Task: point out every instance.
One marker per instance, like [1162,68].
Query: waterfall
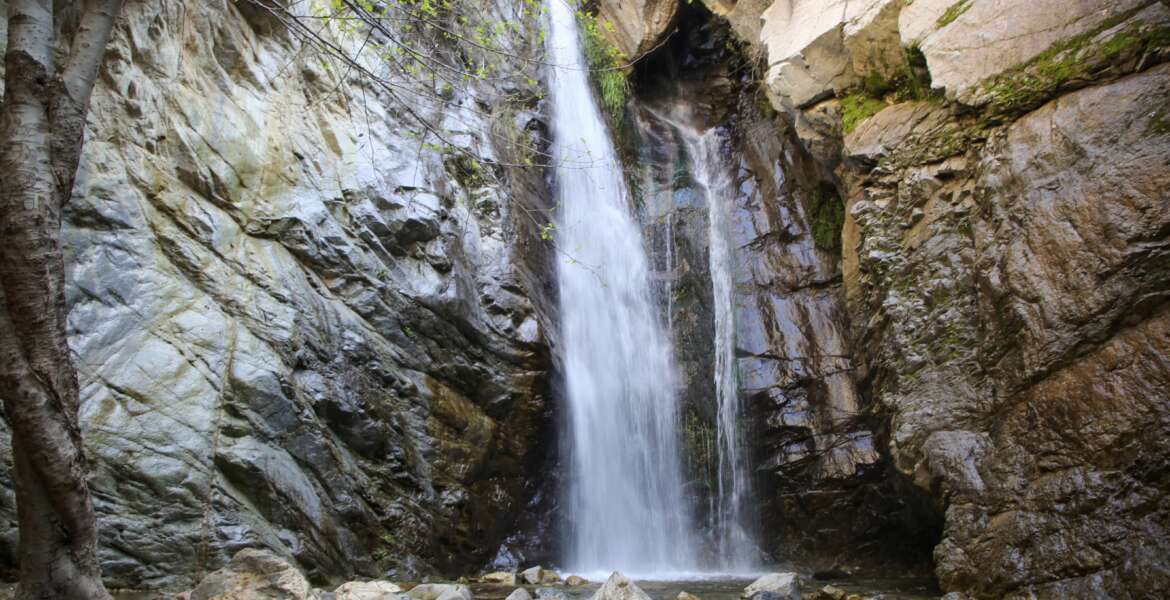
[731,518]
[625,499]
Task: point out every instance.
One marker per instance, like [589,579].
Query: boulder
[779,586]
[519,594]
[686,596]
[440,591]
[368,590]
[575,581]
[531,575]
[548,576]
[968,42]
[829,593]
[254,574]
[619,587]
[499,578]
[637,26]
[819,47]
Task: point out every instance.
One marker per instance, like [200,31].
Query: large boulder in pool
[774,586]
[254,574]
[368,590]
[619,587]
[439,591]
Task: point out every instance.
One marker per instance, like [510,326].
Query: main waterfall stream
[626,503]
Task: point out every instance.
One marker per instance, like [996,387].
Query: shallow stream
[730,589]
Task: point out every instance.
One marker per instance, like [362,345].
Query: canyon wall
[299,324]
[822,493]
[1003,170]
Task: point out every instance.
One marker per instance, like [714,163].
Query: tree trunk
[41,134]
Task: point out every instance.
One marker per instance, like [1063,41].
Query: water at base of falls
[626,504]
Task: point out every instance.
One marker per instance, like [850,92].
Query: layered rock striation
[299,322]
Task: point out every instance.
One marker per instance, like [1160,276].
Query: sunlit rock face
[295,325]
[968,43]
[638,26]
[817,47]
[1003,268]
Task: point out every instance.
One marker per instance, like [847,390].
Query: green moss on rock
[955,11]
[826,218]
[858,106]
[606,66]
[1075,59]
[909,82]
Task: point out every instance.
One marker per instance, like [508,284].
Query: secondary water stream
[731,518]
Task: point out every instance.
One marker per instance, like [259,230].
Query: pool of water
[714,588]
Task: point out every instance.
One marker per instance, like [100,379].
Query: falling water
[626,502]
[730,518]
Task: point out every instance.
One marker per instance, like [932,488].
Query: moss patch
[826,218]
[1068,61]
[857,107]
[910,82]
[606,66]
[955,11]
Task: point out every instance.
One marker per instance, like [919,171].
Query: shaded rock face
[824,494]
[1005,270]
[295,326]
[1026,373]
[1003,267]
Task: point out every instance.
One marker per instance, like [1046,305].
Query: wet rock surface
[825,495]
[1002,274]
[295,327]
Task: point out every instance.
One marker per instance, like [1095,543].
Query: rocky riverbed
[260,575]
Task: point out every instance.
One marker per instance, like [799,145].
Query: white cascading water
[626,503]
[731,518]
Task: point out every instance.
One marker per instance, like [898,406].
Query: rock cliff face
[823,493]
[297,325]
[1003,264]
